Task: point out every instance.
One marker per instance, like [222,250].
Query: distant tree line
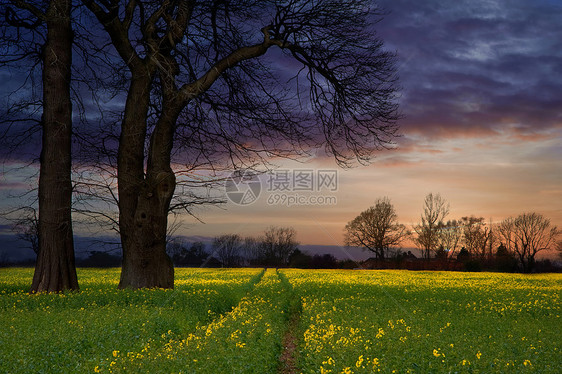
[272,248]
[469,243]
[275,247]
[510,245]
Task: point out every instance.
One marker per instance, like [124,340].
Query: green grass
[74,332]
[246,340]
[233,321]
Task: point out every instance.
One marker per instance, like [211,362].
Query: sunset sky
[482,123]
[481,101]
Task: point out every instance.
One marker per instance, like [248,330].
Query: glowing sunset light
[481,124]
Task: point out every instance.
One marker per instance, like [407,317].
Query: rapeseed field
[237,321]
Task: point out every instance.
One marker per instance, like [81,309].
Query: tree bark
[144,200]
[55,269]
[145,262]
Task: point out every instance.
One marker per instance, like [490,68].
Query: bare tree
[26,228]
[559,248]
[228,249]
[428,231]
[276,245]
[251,250]
[450,236]
[376,229]
[526,235]
[477,237]
[200,87]
[55,266]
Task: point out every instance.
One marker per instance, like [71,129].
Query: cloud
[475,67]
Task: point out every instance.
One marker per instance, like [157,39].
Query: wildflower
[359,362]
[329,361]
[478,355]
[527,362]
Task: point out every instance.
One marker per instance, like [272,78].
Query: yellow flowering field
[237,321]
[424,322]
[75,332]
[246,340]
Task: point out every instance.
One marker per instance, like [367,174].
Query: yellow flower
[359,362]
[527,362]
[478,355]
[97,369]
[436,353]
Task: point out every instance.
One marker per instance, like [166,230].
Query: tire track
[156,349]
[289,351]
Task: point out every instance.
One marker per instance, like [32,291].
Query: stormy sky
[481,106]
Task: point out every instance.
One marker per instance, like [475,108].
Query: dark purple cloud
[467,68]
[475,67]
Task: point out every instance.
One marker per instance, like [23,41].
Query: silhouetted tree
[464,255]
[197,254]
[441,253]
[200,87]
[376,229]
[26,228]
[450,236]
[276,245]
[228,249]
[101,259]
[429,230]
[299,260]
[181,255]
[477,237]
[250,250]
[504,260]
[526,235]
[50,22]
[325,261]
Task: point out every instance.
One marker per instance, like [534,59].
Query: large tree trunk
[144,200]
[55,268]
[145,262]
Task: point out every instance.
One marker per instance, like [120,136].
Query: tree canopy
[182,86]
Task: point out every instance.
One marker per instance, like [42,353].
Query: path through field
[286,321]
